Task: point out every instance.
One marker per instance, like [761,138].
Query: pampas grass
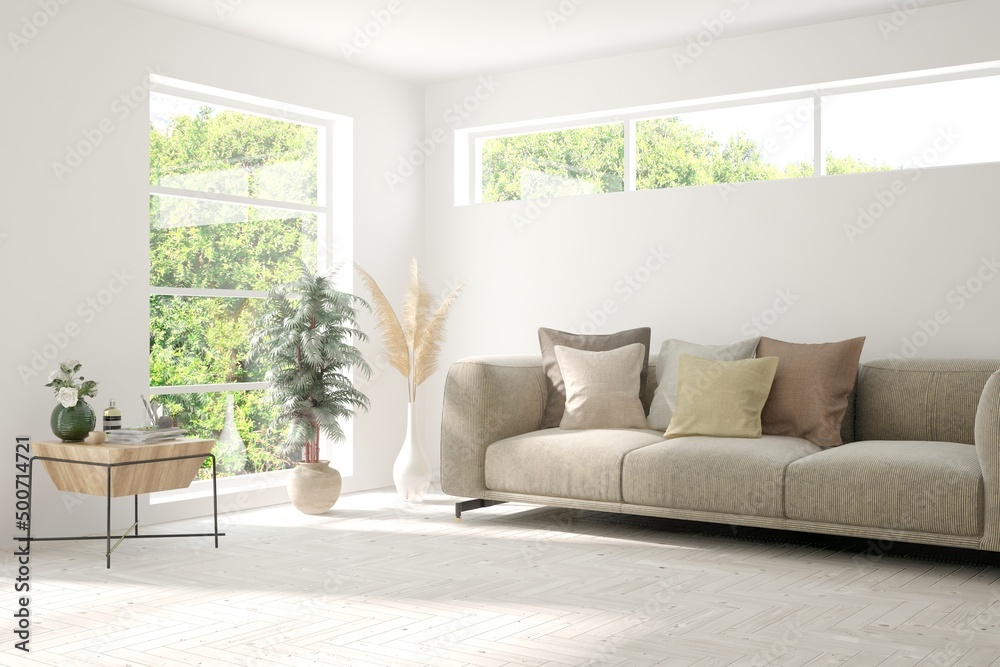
[413,342]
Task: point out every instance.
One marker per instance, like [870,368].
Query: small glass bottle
[112,418]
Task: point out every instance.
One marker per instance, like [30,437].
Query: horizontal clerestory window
[912,121]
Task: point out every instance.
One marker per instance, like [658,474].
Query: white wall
[730,256]
[64,240]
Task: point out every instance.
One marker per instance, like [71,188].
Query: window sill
[226,486]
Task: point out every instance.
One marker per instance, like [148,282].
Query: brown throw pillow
[809,395]
[549,338]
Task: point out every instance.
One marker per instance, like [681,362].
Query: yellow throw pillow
[721,398]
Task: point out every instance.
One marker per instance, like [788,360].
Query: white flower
[68,397]
[58,375]
[70,365]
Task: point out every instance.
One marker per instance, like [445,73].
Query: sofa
[920,460]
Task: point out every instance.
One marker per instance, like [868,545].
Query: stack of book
[143,436]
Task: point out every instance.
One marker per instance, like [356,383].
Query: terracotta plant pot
[314,487]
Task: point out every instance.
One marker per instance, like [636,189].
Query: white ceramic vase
[411,473]
[314,487]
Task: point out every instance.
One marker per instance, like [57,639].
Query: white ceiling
[429,41]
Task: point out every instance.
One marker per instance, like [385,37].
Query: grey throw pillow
[668,364]
[549,338]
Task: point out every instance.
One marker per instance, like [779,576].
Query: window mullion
[819,157]
[208,388]
[207,292]
[630,156]
[235,199]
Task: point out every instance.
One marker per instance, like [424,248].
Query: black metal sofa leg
[474,504]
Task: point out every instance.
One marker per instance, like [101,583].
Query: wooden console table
[79,467]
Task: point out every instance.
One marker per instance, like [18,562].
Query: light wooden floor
[374,582]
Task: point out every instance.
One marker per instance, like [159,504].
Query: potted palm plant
[413,345]
[303,338]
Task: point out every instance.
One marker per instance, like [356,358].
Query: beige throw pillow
[811,388]
[665,398]
[555,387]
[602,388]
[721,398]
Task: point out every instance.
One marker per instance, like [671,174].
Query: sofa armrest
[988,450]
[486,399]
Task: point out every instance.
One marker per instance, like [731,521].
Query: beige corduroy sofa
[921,461]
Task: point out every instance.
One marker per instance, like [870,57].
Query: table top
[109,452]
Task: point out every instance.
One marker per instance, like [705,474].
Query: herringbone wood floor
[374,582]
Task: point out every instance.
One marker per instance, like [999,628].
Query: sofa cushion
[664,402]
[920,399]
[566,464]
[721,398]
[730,475]
[549,338]
[602,388]
[933,487]
[811,388]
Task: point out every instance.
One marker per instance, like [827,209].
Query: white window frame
[468,141]
[334,215]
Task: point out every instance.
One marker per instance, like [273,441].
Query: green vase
[73,424]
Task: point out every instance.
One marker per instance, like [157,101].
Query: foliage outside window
[903,126]
[235,209]
[578,161]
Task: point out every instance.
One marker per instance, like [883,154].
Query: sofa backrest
[920,399]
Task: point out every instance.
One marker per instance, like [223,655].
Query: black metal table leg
[109,519]
[215,503]
[133,531]
[31,487]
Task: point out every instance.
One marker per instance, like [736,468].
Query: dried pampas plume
[413,342]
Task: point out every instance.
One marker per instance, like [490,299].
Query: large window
[921,120]
[240,199]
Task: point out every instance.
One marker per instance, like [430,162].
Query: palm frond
[303,338]
[396,347]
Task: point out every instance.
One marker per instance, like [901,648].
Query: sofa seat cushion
[728,475]
[932,487]
[585,465]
